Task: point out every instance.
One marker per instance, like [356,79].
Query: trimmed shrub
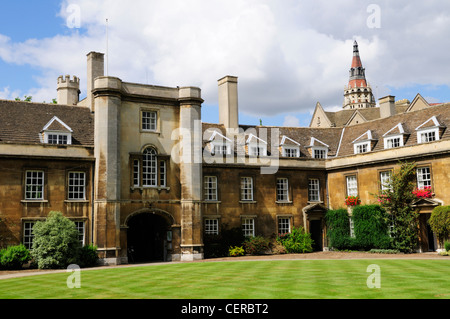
[218,245]
[440,222]
[88,256]
[297,242]
[14,257]
[370,227]
[256,245]
[55,243]
[338,229]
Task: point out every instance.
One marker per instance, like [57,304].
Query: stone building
[144,179]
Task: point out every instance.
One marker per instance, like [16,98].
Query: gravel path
[310,256]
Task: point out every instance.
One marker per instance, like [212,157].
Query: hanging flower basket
[423,192]
[352,200]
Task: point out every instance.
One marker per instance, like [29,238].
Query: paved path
[324,255]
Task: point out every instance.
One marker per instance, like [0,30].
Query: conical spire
[358,93]
[357,72]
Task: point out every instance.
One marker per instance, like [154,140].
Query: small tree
[440,222]
[55,243]
[397,198]
[338,228]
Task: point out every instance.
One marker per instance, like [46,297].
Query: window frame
[420,179]
[156,121]
[27,234]
[348,189]
[42,185]
[323,151]
[281,225]
[382,179]
[311,190]
[81,230]
[82,186]
[59,135]
[287,149]
[210,194]
[248,229]
[211,228]
[246,196]
[391,138]
[421,132]
[282,194]
[357,147]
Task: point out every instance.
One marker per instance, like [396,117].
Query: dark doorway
[315,228]
[146,235]
[430,239]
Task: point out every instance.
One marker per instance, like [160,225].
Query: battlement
[67,80]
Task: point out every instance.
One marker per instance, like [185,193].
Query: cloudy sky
[287,54]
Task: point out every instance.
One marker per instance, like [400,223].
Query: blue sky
[288,55]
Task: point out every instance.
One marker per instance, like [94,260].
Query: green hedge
[370,227]
[338,229]
[14,257]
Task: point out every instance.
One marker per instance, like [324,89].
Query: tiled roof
[377,128]
[22,122]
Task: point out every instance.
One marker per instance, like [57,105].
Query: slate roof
[22,122]
[338,138]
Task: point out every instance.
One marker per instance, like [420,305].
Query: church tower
[357,94]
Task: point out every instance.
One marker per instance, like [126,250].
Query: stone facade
[144,179]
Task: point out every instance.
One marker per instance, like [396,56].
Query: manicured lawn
[281,279]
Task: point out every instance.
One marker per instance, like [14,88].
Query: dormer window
[57,132]
[219,144]
[364,143]
[318,149]
[256,146]
[395,137]
[429,131]
[289,147]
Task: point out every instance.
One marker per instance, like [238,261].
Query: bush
[297,242]
[447,246]
[370,227]
[55,243]
[14,257]
[338,229]
[218,245]
[88,256]
[256,245]
[440,222]
[236,251]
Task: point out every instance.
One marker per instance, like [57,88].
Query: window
[149,120]
[136,173]
[352,227]
[162,173]
[254,150]
[352,186]
[210,188]
[246,188]
[149,172]
[385,180]
[319,153]
[77,186]
[282,190]
[361,148]
[80,227]
[248,227]
[284,225]
[427,136]
[58,139]
[313,189]
[28,234]
[290,151]
[423,177]
[394,141]
[34,185]
[221,149]
[211,226]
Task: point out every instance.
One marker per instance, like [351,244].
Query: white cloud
[291,121]
[288,54]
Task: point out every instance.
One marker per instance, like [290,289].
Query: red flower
[352,200]
[423,192]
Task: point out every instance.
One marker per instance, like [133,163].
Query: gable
[418,103]
[356,118]
[320,118]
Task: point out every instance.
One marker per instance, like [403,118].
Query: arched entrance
[147,237]
[314,216]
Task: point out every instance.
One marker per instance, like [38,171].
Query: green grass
[288,279]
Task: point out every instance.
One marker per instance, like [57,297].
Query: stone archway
[147,235]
